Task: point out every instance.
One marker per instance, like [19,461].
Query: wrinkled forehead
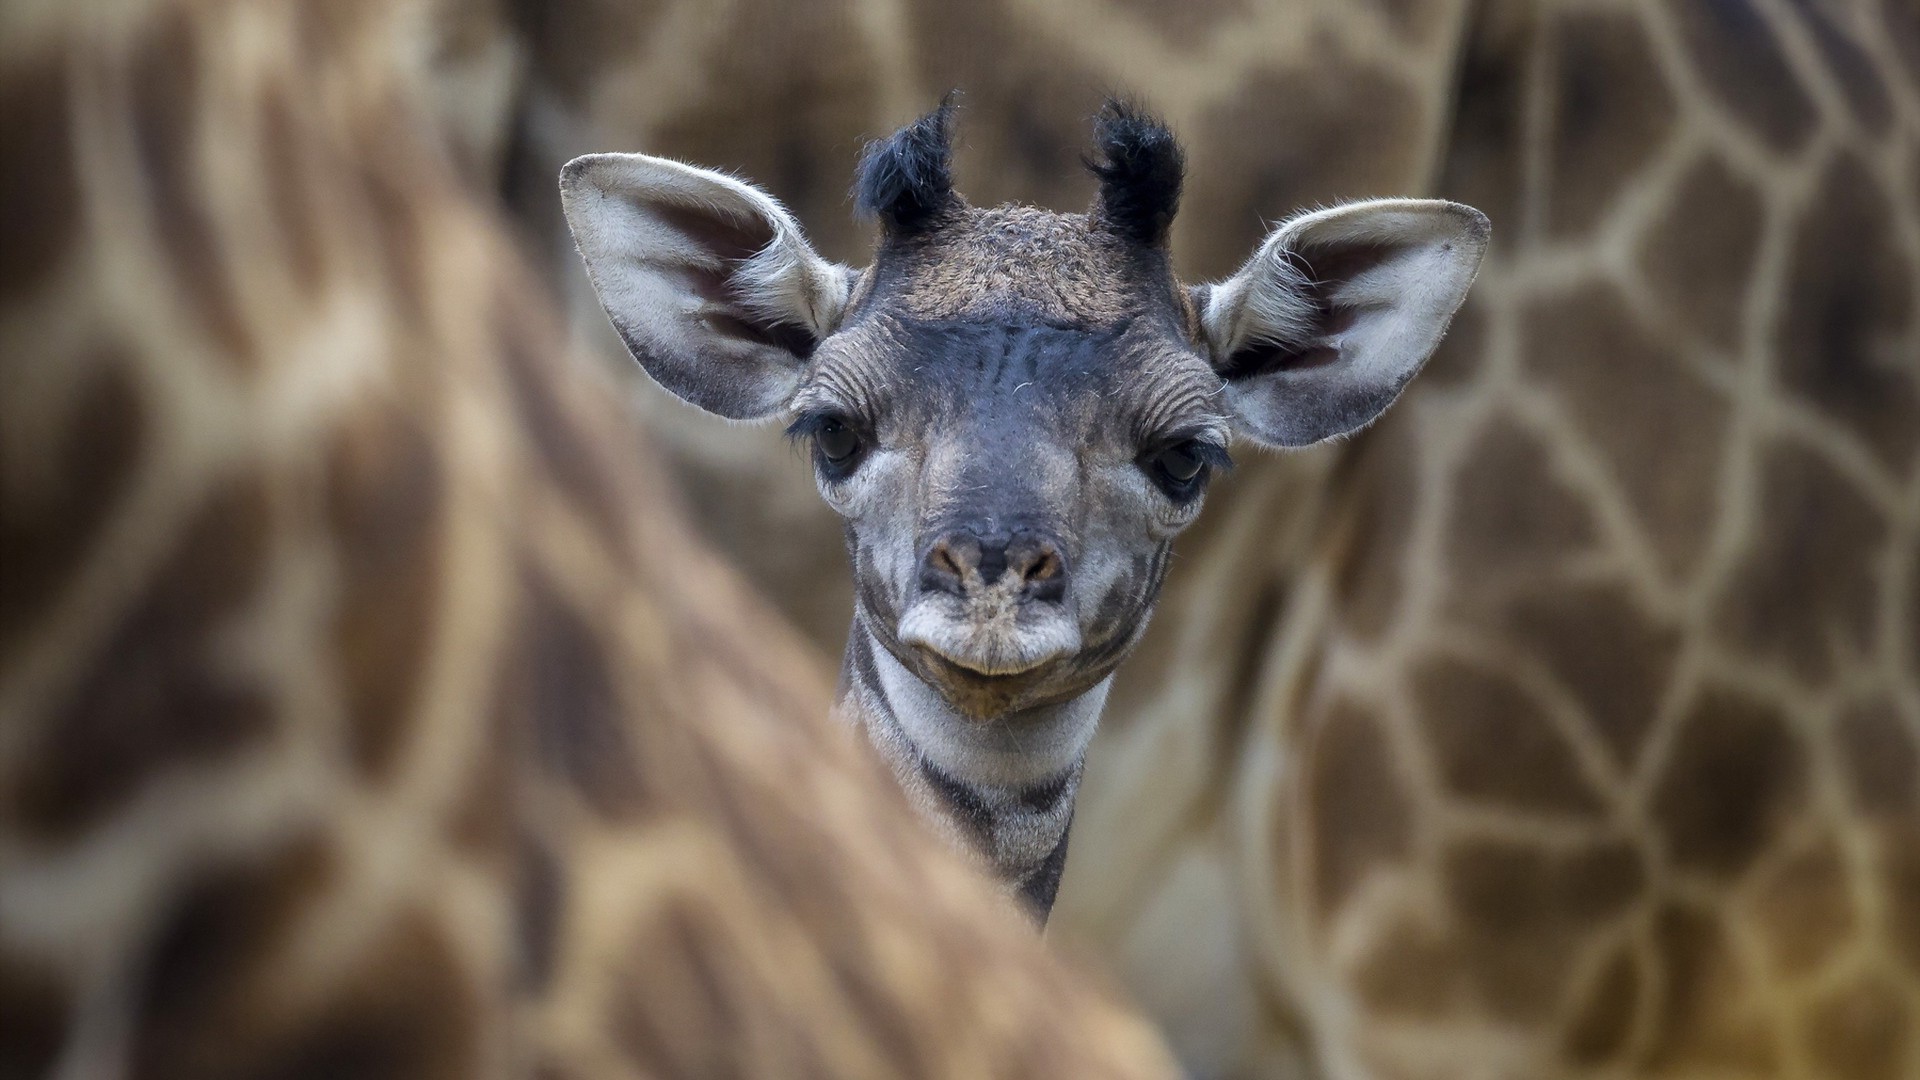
[990,262]
[1009,377]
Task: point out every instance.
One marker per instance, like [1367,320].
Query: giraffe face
[1015,410]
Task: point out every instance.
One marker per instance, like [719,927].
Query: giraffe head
[1015,410]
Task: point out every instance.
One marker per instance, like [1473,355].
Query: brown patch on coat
[159,695]
[1612,656]
[1699,256]
[1865,1031]
[165,95]
[802,93]
[47,532]
[1603,1021]
[38,1009]
[1359,817]
[1900,877]
[1804,908]
[1612,112]
[1807,585]
[558,682]
[1494,744]
[1880,759]
[292,192]
[1185,26]
[1699,1026]
[1735,776]
[1739,61]
[1284,140]
[1414,973]
[1484,163]
[1382,485]
[209,1009]
[1848,63]
[1527,912]
[1660,430]
[1848,306]
[1512,518]
[39,182]
[384,498]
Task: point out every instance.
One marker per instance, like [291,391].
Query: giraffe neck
[1001,787]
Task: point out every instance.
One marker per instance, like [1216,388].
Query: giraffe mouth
[1000,644]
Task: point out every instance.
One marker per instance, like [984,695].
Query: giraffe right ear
[708,280]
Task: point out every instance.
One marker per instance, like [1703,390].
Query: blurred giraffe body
[1564,724]
[367,710]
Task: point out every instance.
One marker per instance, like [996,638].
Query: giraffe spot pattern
[1804,909]
[813,61]
[579,468]
[1660,430]
[1495,745]
[1879,758]
[1806,585]
[159,695]
[1187,25]
[1608,653]
[167,75]
[1603,1020]
[1033,97]
[289,161]
[1385,494]
[48,530]
[1291,134]
[1484,162]
[1738,59]
[38,178]
[1699,1027]
[38,1011]
[1699,257]
[1902,23]
[1359,818]
[557,683]
[1864,1031]
[1849,64]
[1734,777]
[403,1008]
[384,495]
[1526,912]
[1848,303]
[1611,112]
[1512,518]
[1900,877]
[1414,973]
[570,45]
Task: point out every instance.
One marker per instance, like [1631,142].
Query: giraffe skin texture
[366,706]
[1565,724]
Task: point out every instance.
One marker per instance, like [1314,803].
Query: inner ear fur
[708,280]
[1321,329]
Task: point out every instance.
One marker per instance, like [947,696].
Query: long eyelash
[810,424]
[1209,453]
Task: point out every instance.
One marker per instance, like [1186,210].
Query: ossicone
[906,179]
[1140,166]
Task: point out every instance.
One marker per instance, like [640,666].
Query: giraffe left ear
[1319,331]
[708,280]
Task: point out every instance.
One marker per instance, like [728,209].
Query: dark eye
[837,441]
[1181,463]
[1180,469]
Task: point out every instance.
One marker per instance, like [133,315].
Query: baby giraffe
[1015,411]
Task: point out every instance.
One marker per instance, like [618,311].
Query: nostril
[1043,573]
[945,567]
